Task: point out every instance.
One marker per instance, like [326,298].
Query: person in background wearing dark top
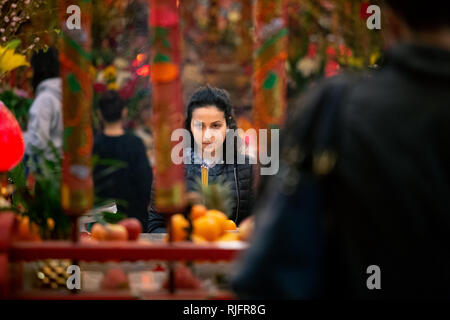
[209,110]
[379,224]
[130,185]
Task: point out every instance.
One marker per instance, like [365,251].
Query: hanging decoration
[75,59]
[270,54]
[167,104]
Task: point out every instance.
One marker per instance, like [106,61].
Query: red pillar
[167,106]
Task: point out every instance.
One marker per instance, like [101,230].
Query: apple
[116,232]
[115,278]
[86,237]
[98,232]
[184,279]
[133,226]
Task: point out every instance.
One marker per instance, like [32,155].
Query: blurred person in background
[130,181]
[361,207]
[45,124]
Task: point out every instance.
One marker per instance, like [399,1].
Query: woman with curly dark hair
[209,115]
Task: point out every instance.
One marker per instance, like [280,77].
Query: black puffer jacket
[193,171]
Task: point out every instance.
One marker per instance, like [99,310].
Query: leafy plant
[19,106]
[42,201]
[109,217]
[216,195]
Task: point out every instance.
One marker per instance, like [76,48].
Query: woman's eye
[216,126]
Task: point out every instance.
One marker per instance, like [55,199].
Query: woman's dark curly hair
[211,96]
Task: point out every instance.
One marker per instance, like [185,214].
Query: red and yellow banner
[75,70]
[167,105]
[269,58]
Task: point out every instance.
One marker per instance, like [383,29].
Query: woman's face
[208,126]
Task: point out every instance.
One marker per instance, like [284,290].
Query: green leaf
[159,57]
[74,85]
[13,44]
[111,217]
[166,43]
[270,81]
[217,195]
[67,132]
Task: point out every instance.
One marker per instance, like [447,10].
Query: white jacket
[45,123]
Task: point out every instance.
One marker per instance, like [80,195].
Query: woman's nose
[208,135]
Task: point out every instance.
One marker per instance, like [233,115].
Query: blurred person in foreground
[129,183]
[45,124]
[364,179]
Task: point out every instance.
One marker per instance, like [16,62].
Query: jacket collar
[421,58]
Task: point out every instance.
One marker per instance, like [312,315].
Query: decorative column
[75,70]
[167,106]
[269,58]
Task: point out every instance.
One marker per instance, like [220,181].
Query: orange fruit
[198,239]
[50,223]
[98,232]
[28,231]
[179,225]
[34,231]
[228,225]
[23,229]
[197,211]
[229,237]
[220,217]
[207,227]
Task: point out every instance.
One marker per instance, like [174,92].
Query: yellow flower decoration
[112,86]
[10,60]
[110,73]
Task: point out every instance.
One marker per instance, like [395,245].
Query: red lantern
[12,146]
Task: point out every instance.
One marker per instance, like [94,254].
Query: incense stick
[204,175]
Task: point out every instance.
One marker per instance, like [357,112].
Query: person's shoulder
[98,137]
[130,137]
[99,140]
[133,143]
[315,93]
[43,102]
[307,108]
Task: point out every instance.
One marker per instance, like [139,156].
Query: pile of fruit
[30,231]
[207,226]
[127,229]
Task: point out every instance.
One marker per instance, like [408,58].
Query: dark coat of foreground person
[385,202]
